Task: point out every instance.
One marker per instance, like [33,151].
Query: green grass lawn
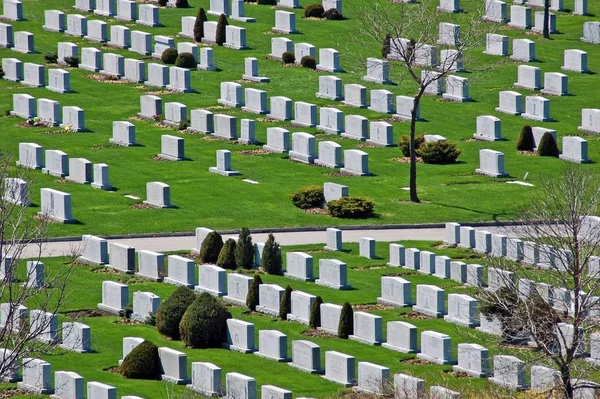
[363,274]
[450,192]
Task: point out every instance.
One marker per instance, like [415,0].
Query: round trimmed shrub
[525,142]
[252,297]
[288,57]
[346,325]
[315,313]
[211,248]
[308,61]
[186,60]
[351,208]
[271,257]
[182,4]
[386,46]
[314,11]
[404,144]
[201,18]
[142,363]
[169,56]
[170,312]
[221,27]
[333,14]
[244,250]
[285,306]
[548,146]
[308,197]
[227,255]
[439,152]
[204,324]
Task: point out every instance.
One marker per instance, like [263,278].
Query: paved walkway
[163,244]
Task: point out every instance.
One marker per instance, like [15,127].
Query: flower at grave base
[68,128]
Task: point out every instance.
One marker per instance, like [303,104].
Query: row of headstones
[425,55]
[555,84]
[329,58]
[48,112]
[21,41]
[496,10]
[43,327]
[34,75]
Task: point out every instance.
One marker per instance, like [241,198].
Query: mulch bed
[158,92]
[340,174]
[366,145]
[316,211]
[415,316]
[415,361]
[406,160]
[52,132]
[141,205]
[105,270]
[80,314]
[12,392]
[368,307]
[106,79]
[457,374]
[127,321]
[62,181]
[252,152]
[316,333]
[528,153]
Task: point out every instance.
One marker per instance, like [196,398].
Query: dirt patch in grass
[80,314]
[316,333]
[112,370]
[406,160]
[113,80]
[159,92]
[141,205]
[217,107]
[341,174]
[52,132]
[13,392]
[415,316]
[211,138]
[407,202]
[105,270]
[444,246]
[528,153]
[366,145]
[252,152]
[415,361]
[62,181]
[372,306]
[316,211]
[471,140]
[457,374]
[127,321]
[103,146]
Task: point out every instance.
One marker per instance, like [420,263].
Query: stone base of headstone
[114,75]
[229,103]
[298,157]
[595,362]
[147,23]
[404,118]
[508,385]
[258,79]
[265,310]
[206,68]
[24,83]
[234,301]
[94,39]
[364,341]
[237,348]
[396,348]
[274,149]
[161,206]
[574,160]
[354,173]
[434,360]
[176,381]
[553,93]
[334,286]
[449,319]
[482,137]
[495,20]
[63,126]
[448,11]
[179,89]
[88,68]
[223,172]
[291,317]
[301,124]
[53,173]
[490,174]
[122,143]
[535,117]
[246,141]
[485,330]
[328,69]
[209,42]
[111,310]
[427,312]
[284,31]
[503,111]
[344,384]
[169,157]
[377,80]
[353,105]
[138,317]
[233,47]
[380,144]
[293,277]
[541,30]
[387,302]
[86,261]
[310,371]
[278,359]
[34,389]
[472,373]
[242,19]
[199,289]
[70,349]
[116,45]
[254,111]
[328,97]
[327,165]
[23,51]
[204,392]
[456,99]
[577,70]
[119,270]
[584,130]
[58,90]
[146,277]
[106,187]
[327,331]
[143,116]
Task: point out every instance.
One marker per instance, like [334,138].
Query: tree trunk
[565,376]
[546,30]
[413,153]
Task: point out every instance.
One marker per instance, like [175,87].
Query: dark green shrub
[142,363]
[182,4]
[547,146]
[351,208]
[308,197]
[308,61]
[288,57]
[252,297]
[1,77]
[315,313]
[163,3]
[244,250]
[525,142]
[169,56]
[346,326]
[221,27]
[227,255]
[404,144]
[267,2]
[271,257]
[183,125]
[73,62]
[285,306]
[170,312]
[438,152]
[211,248]
[186,60]
[199,25]
[333,14]
[51,58]
[386,46]
[204,324]
[314,11]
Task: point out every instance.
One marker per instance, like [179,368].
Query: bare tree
[411,36]
[550,298]
[24,333]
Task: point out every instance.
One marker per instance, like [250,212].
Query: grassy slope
[364,275]
[451,192]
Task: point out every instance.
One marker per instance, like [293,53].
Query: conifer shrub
[346,325]
[548,146]
[211,248]
[271,257]
[404,144]
[201,18]
[252,297]
[525,142]
[315,313]
[204,324]
[170,312]
[439,152]
[288,57]
[221,28]
[244,250]
[314,11]
[333,14]
[285,306]
[227,255]
[142,363]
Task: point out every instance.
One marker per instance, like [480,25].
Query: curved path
[301,237]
